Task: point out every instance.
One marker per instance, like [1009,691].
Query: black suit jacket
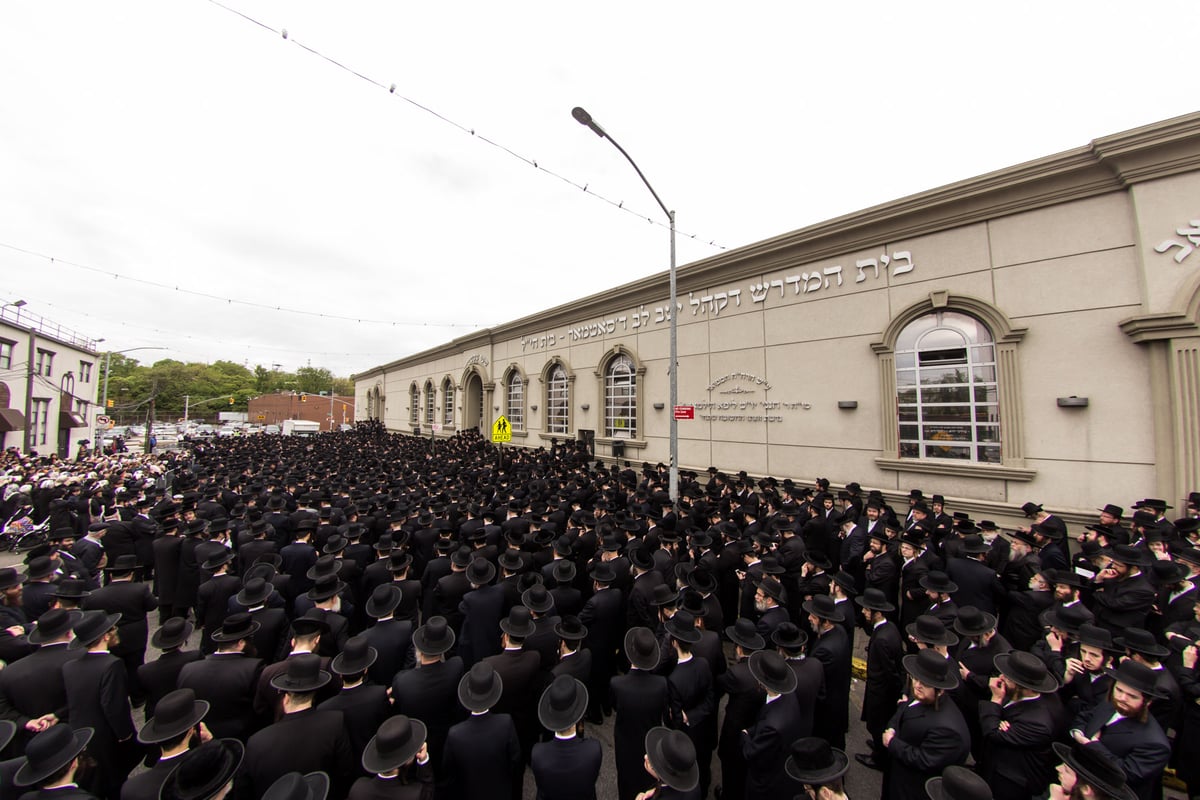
[480,610]
[1021,755]
[832,649]
[1141,747]
[98,698]
[303,741]
[158,678]
[520,670]
[641,701]
[33,687]
[430,693]
[228,682]
[166,568]
[132,601]
[146,785]
[978,584]
[566,769]
[766,745]
[482,758]
[885,676]
[603,614]
[212,603]
[392,639]
[364,708]
[927,741]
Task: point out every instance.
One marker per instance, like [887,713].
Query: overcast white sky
[179,143]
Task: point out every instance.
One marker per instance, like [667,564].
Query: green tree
[313,380]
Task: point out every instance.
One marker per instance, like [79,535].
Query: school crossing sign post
[501,433]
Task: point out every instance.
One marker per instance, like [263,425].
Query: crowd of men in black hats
[353,615]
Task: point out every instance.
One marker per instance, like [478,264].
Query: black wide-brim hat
[327,586]
[1137,676]
[772,671]
[1026,670]
[930,630]
[384,600]
[356,657]
[10,577]
[813,762]
[175,713]
[91,627]
[480,688]
[1141,641]
[399,739]
[203,772]
[822,606]
[294,786]
[434,637]
[935,581]
[571,629]
[1097,767]
[563,703]
[236,627]
[932,669]
[642,648]
[53,624]
[304,674]
[744,633]
[875,600]
[255,592]
[50,751]
[673,758]
[958,783]
[971,621]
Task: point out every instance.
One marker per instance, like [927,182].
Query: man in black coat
[573,658]
[212,598]
[791,643]
[882,566]
[640,700]
[604,617]
[1123,597]
[832,649]
[450,590]
[925,735]
[363,704]
[692,695]
[1017,725]
[767,743]
[133,601]
[270,640]
[32,692]
[481,609]
[885,674]
[391,637]
[978,584]
[227,679]
[166,569]
[976,655]
[98,698]
[568,766]
[305,739]
[482,753]
[158,678]
[172,735]
[745,699]
[520,672]
[429,692]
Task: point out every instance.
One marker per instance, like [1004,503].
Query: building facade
[48,383]
[1029,334]
[273,409]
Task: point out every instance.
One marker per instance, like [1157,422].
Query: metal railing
[19,317]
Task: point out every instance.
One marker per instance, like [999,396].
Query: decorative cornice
[1155,327]
[956,469]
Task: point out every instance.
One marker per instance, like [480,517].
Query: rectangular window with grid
[620,399]
[41,419]
[447,403]
[516,401]
[414,407]
[558,415]
[85,371]
[429,403]
[6,353]
[45,363]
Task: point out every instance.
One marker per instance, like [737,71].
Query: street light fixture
[585,119]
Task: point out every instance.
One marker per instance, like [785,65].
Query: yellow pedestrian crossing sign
[501,430]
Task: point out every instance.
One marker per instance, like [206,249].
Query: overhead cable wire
[391,89]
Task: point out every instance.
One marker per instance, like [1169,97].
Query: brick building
[273,409]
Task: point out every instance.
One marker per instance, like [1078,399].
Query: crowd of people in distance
[357,615]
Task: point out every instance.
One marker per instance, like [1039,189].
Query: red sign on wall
[685,412]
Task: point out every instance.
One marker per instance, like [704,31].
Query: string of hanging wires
[463,128]
[234,300]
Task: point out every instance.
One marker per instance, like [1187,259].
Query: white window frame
[40,411]
[447,402]
[85,371]
[6,353]
[514,393]
[414,405]
[558,401]
[45,363]
[620,398]
[430,403]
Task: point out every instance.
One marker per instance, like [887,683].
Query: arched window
[558,400]
[414,404]
[429,402]
[447,402]
[620,398]
[515,390]
[948,399]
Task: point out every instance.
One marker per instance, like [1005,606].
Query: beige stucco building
[1029,334]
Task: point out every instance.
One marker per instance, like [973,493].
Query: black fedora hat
[1121,553]
[1137,676]
[958,783]
[537,599]
[813,762]
[1095,765]
[175,713]
[325,587]
[603,573]
[303,674]
[235,627]
[294,786]
[480,572]
[255,591]
[325,565]
[357,656]
[930,630]
[772,588]
[399,561]
[384,600]
[1100,638]
[1066,618]
[682,626]
[744,633]
[932,669]
[54,624]
[672,756]
[1141,641]
[480,688]
[822,606]
[571,628]
[434,637]
[394,744]
[772,671]
[973,544]
[91,626]
[518,623]
[313,622]
[202,773]
[663,595]
[42,567]
[562,704]
[937,581]
[702,580]
[50,751]
[214,555]
[70,588]
[789,637]
[563,571]
[973,622]
[875,600]
[642,648]
[172,633]
[1026,670]
[10,577]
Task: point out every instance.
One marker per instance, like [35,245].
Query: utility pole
[186,402]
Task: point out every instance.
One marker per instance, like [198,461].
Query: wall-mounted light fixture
[847,404]
[496,408]
[1072,402]
[585,406]
[533,408]
[659,406]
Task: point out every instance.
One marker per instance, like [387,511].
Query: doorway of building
[473,403]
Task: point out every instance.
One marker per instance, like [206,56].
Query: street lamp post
[585,119]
